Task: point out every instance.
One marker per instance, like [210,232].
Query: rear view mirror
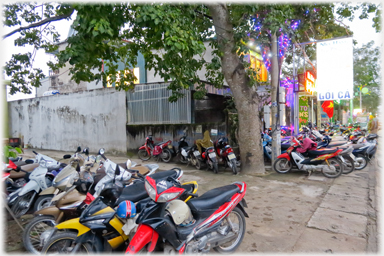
[67,156]
[101,151]
[129,164]
[86,151]
[78,149]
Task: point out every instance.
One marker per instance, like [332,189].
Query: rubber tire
[17,202]
[215,167]
[68,235]
[350,160]
[339,173]
[242,218]
[198,164]
[234,167]
[26,238]
[182,159]
[167,151]
[364,165]
[143,155]
[37,205]
[282,159]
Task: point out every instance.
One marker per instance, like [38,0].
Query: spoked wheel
[349,165]
[143,155]
[33,231]
[282,165]
[22,204]
[333,172]
[42,202]
[234,225]
[166,155]
[65,243]
[362,162]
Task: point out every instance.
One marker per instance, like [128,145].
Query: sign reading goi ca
[335,70]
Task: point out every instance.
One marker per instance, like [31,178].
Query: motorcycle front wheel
[22,204]
[42,202]
[143,155]
[339,168]
[64,242]
[282,165]
[235,221]
[33,231]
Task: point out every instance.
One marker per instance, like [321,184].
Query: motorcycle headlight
[150,190]
[167,197]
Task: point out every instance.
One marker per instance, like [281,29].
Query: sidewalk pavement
[294,212]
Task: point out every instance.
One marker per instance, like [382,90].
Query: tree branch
[40,23]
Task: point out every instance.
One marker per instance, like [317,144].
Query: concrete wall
[62,122]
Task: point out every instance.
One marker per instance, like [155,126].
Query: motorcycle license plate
[352,156]
[212,155]
[170,146]
[231,156]
[196,153]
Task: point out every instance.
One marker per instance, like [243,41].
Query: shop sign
[303,111]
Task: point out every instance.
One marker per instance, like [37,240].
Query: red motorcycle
[162,150]
[323,160]
[225,152]
[215,220]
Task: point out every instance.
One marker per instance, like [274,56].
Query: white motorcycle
[38,180]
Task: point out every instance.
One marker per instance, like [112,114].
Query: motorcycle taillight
[211,150]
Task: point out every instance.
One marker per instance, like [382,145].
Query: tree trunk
[247,103]
[276,137]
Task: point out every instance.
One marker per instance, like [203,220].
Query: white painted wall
[91,119]
[207,55]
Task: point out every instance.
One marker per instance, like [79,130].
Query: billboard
[334,78]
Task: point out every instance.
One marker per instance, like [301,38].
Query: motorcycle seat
[335,144]
[357,146]
[164,174]
[57,169]
[285,146]
[212,199]
[134,192]
[187,148]
[322,151]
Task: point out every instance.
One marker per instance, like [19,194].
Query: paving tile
[339,222]
[347,190]
[345,203]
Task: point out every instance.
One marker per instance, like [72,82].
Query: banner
[303,111]
[334,69]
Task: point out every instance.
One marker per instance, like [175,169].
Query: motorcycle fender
[165,228]
[242,204]
[31,185]
[48,191]
[285,155]
[50,210]
[142,147]
[74,224]
[144,235]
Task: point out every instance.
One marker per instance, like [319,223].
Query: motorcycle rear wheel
[234,167]
[198,164]
[143,155]
[215,167]
[362,162]
[19,208]
[339,168]
[166,155]
[42,202]
[282,163]
[64,242]
[182,159]
[33,231]
[231,246]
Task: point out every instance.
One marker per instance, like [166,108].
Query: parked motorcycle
[99,217]
[215,220]
[17,172]
[182,151]
[320,160]
[207,158]
[162,150]
[41,178]
[225,152]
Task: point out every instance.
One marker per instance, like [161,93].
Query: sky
[363,33]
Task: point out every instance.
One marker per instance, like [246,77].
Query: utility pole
[276,137]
